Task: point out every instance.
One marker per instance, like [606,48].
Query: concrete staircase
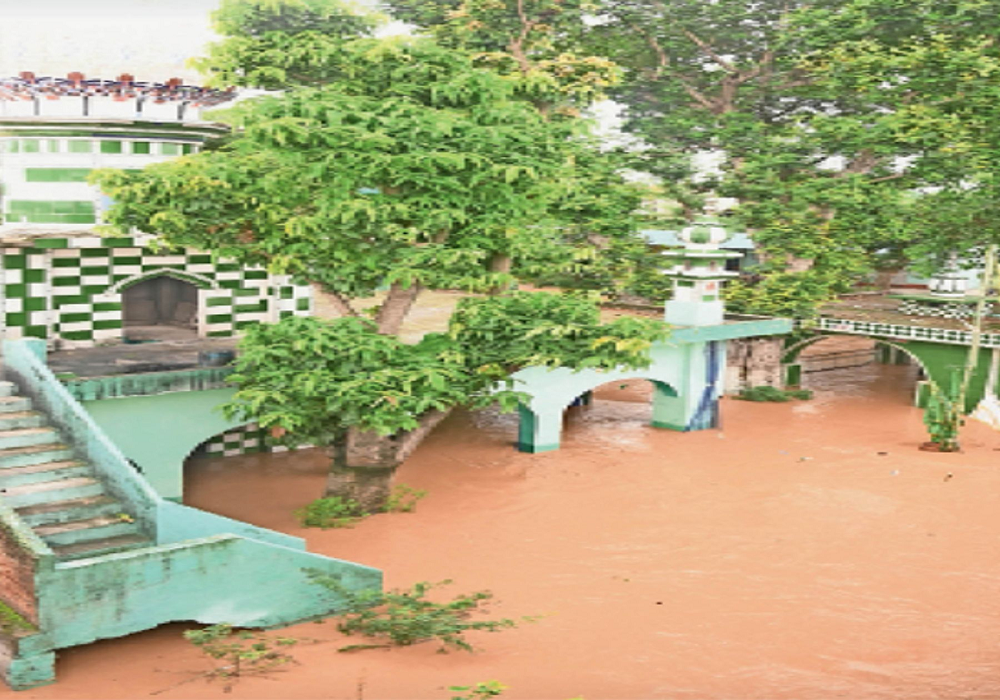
[57,495]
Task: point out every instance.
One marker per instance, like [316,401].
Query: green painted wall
[159,432]
[941,361]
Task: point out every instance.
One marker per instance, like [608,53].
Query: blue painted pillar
[695,405]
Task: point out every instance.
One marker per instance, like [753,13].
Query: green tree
[728,78]
[929,73]
[394,162]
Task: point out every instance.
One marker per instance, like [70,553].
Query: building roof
[27,86]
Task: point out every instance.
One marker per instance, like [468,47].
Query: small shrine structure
[687,369]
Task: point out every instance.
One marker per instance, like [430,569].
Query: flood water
[805,550]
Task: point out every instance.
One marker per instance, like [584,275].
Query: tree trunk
[396,306]
[500,263]
[364,463]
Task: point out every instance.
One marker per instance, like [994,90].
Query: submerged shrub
[770,393]
[330,512]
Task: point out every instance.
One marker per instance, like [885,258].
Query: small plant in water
[240,653]
[332,511]
[403,499]
[404,617]
[770,393]
[479,691]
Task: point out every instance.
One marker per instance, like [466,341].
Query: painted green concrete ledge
[730,330]
[147,383]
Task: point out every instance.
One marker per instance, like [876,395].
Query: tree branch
[342,305]
[395,308]
[709,51]
[517,44]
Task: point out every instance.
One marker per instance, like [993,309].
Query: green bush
[403,617]
[480,691]
[403,499]
[770,393]
[241,653]
[330,512]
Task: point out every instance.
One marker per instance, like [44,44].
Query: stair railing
[24,364]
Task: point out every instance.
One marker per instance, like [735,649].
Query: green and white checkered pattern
[943,309]
[70,289]
[243,440]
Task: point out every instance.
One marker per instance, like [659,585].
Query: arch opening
[847,366]
[624,402]
[160,308]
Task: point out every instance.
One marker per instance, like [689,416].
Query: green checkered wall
[70,290]
[246,439]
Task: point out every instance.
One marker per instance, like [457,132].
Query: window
[111,146]
[170,149]
[140,147]
[80,146]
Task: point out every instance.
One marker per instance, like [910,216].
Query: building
[60,280]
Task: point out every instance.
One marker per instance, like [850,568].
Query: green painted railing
[906,332]
[204,567]
[24,362]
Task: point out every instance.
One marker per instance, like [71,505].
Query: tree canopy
[397,162]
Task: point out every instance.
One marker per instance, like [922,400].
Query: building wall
[69,290]
[17,574]
[45,175]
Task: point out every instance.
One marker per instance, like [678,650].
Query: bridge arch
[930,370]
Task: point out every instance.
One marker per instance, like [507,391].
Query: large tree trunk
[364,463]
[396,306]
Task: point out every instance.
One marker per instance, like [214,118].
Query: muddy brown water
[805,550]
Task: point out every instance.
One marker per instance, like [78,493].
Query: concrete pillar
[539,432]
[695,406]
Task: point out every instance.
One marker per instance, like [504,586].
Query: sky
[152,39]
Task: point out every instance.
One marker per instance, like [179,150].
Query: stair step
[48,491]
[7,388]
[26,437]
[69,510]
[9,404]
[35,454]
[97,548]
[47,471]
[80,531]
[21,419]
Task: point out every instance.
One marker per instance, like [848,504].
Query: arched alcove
[162,307]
